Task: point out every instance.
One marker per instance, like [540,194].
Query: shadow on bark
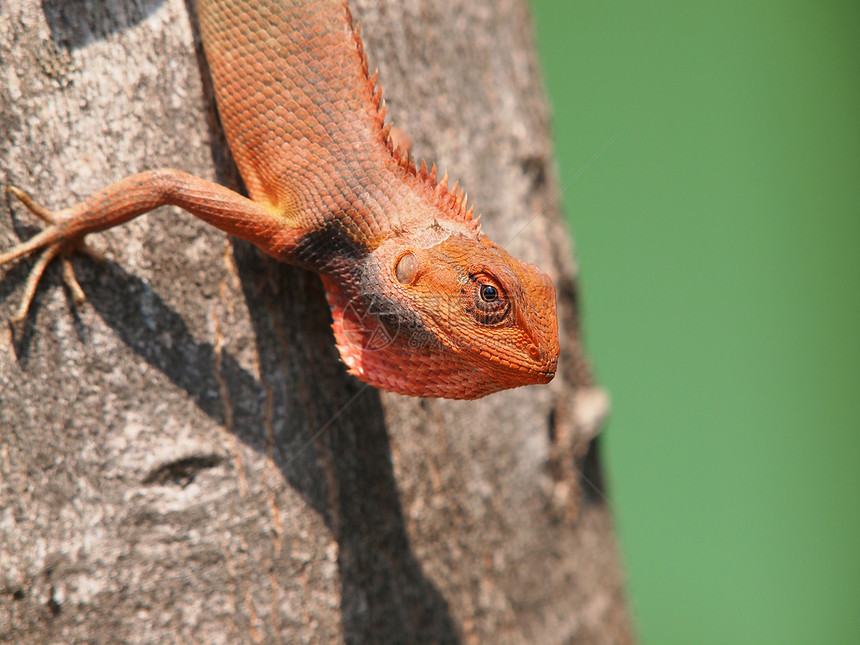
[331,442]
[75,23]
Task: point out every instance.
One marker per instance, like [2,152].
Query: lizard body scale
[422,302]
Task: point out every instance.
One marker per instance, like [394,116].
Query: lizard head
[443,313]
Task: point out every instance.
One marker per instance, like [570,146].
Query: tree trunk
[185,459]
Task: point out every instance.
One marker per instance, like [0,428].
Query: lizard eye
[490,304]
[489,293]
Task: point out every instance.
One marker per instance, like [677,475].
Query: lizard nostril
[533,351]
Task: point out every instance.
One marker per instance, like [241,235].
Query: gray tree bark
[184,458]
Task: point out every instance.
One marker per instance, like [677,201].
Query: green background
[718,238]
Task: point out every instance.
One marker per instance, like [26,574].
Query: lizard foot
[51,246]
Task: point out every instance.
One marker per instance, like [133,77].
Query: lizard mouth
[543,377]
[542,374]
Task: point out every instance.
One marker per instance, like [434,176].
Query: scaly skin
[422,303]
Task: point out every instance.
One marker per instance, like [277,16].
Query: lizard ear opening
[406,268]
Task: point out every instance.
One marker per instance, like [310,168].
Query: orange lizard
[422,302]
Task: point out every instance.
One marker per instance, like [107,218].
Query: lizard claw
[37,209]
[51,247]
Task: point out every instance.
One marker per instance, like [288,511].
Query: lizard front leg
[133,196]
